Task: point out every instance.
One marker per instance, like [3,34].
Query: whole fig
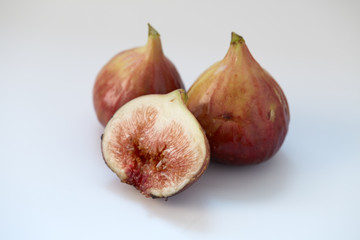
[133,73]
[241,107]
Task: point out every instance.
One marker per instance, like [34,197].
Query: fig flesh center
[155,154]
[148,162]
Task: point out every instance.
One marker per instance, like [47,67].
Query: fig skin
[154,143]
[241,107]
[133,73]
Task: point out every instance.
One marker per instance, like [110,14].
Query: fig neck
[238,52]
[153,45]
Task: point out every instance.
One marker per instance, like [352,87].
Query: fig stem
[152,31]
[236,39]
[184,96]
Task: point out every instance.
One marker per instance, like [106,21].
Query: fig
[133,73]
[242,109]
[155,143]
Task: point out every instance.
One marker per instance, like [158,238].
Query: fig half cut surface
[155,144]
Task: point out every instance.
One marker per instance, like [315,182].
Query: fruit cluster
[159,138]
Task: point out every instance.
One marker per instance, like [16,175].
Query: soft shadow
[193,208]
[189,213]
[259,182]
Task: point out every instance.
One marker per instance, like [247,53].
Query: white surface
[53,182]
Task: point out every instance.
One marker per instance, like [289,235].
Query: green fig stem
[236,39]
[153,46]
[238,52]
[152,31]
[184,96]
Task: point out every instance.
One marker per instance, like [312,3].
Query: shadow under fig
[187,210]
[192,209]
[247,183]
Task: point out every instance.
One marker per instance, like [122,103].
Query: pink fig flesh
[133,73]
[155,144]
[241,107]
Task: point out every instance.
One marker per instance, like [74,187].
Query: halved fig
[155,144]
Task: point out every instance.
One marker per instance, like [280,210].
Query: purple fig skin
[242,109]
[133,73]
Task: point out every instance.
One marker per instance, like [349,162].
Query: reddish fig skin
[133,73]
[241,107]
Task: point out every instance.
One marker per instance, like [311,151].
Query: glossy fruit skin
[241,107]
[133,73]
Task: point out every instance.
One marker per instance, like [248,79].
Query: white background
[54,183]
